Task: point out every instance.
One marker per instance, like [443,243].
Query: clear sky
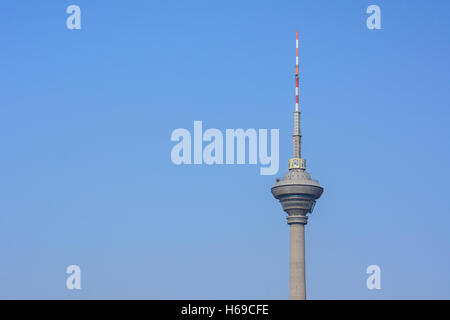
[86,176]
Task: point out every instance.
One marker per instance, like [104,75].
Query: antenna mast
[297,162]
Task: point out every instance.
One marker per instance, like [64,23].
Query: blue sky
[86,176]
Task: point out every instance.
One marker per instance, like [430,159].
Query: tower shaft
[297,280]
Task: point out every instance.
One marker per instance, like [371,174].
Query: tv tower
[297,193]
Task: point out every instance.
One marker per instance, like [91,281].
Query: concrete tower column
[297,283]
[297,279]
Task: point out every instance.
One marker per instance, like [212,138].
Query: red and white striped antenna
[296,72]
[297,161]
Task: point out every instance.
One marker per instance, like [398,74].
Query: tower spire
[297,162]
[296,72]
